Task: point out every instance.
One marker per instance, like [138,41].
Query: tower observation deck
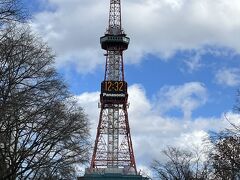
[113,156]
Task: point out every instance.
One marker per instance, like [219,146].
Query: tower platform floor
[111,174]
[111,177]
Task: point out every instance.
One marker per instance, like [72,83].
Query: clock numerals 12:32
[114,86]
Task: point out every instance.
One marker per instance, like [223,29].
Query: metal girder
[113,144]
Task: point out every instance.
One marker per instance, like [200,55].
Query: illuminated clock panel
[114,92]
[114,87]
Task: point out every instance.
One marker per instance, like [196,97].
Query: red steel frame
[113,144]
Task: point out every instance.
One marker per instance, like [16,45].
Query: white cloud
[151,131]
[183,24]
[89,101]
[186,97]
[193,63]
[228,77]
[73,28]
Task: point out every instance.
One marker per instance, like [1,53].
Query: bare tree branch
[181,165]
[42,130]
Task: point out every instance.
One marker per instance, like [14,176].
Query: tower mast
[113,144]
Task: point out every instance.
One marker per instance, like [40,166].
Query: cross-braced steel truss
[113,144]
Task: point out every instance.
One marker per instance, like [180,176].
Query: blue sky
[154,73]
[182,65]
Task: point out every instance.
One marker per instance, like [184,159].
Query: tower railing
[113,148]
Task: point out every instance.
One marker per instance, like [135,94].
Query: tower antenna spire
[113,156]
[113,144]
[115,22]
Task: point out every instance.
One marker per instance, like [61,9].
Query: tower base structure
[111,174]
[113,156]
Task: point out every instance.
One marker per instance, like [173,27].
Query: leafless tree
[225,155]
[43,132]
[11,11]
[181,165]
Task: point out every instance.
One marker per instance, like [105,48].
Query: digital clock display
[114,87]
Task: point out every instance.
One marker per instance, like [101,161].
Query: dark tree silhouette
[225,153]
[225,156]
[181,165]
[12,11]
[43,132]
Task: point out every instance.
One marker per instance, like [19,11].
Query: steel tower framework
[113,144]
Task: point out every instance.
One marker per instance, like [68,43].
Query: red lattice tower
[113,144]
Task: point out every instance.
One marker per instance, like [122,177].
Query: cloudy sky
[182,65]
